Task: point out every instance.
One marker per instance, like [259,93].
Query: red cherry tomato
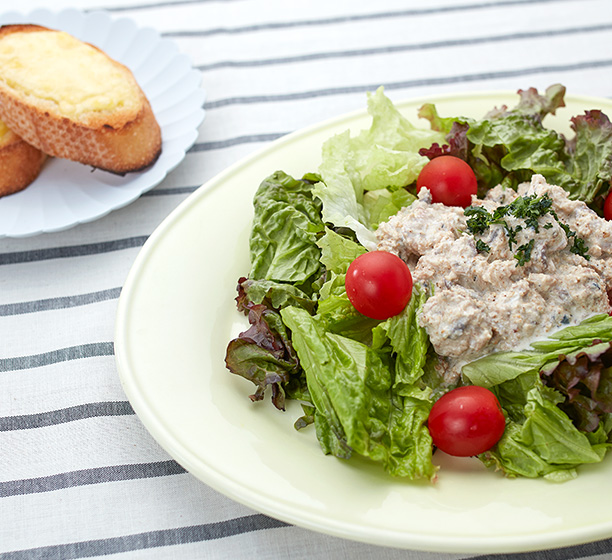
[378,284]
[466,421]
[608,207]
[450,180]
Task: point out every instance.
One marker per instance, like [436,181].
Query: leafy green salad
[367,386]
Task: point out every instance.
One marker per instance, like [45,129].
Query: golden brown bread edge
[20,164]
[118,147]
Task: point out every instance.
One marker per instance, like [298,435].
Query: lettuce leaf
[274,294]
[507,146]
[287,220]
[585,380]
[360,174]
[285,269]
[498,367]
[264,355]
[356,411]
[364,375]
[381,204]
[540,439]
[556,398]
[409,342]
[337,253]
[591,158]
[516,144]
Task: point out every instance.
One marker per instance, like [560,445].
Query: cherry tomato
[608,207]
[378,284]
[450,180]
[466,421]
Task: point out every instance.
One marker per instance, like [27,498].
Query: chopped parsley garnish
[479,220]
[523,253]
[528,208]
[579,248]
[482,247]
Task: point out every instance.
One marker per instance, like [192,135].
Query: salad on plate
[441,289]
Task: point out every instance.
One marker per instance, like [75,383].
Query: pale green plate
[176,315]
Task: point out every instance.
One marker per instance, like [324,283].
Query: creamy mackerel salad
[442,289]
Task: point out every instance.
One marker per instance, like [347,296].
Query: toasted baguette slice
[20,163]
[70,100]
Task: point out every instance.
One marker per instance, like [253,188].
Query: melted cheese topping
[72,75]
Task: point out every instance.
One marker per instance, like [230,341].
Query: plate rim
[228,487]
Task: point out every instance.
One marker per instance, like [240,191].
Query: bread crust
[20,164]
[118,141]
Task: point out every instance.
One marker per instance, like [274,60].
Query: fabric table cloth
[80,477]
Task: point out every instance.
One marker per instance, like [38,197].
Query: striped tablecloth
[79,475]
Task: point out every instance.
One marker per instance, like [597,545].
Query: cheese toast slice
[20,163]
[70,100]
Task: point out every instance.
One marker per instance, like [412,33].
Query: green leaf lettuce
[361,174]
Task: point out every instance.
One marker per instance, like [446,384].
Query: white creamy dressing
[483,301]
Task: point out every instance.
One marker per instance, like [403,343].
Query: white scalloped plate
[175,317]
[66,193]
